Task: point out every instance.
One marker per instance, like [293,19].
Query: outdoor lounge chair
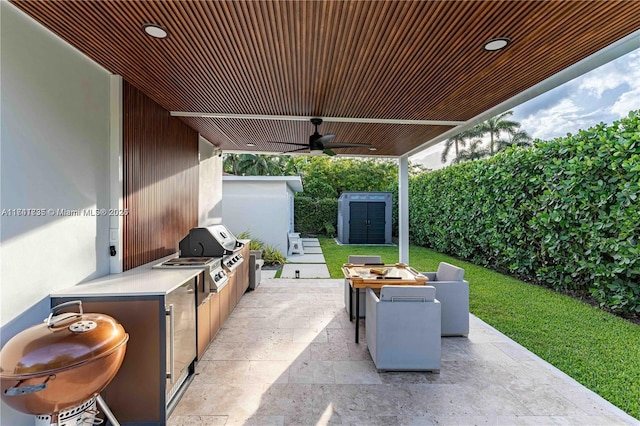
[347,288]
[403,328]
[453,293]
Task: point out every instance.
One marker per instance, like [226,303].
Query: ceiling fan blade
[289,143]
[346,145]
[295,150]
[329,152]
[325,138]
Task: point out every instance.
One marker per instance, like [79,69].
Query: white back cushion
[448,272]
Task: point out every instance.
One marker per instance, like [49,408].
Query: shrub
[272,256]
[312,216]
[564,213]
[255,244]
[329,229]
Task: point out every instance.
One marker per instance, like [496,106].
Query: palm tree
[254,164]
[459,140]
[474,152]
[230,163]
[497,125]
[519,138]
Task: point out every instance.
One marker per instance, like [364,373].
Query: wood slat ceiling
[414,60]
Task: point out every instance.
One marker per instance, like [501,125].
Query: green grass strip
[599,350]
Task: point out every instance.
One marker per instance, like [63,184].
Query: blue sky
[602,95]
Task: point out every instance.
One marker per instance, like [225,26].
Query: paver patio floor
[287,356]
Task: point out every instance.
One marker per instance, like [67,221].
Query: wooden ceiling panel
[409,60]
[276,136]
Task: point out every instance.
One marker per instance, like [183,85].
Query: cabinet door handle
[172,328]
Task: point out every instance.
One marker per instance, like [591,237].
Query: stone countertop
[141,281]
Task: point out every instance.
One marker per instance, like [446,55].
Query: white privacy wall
[210,184]
[262,205]
[54,155]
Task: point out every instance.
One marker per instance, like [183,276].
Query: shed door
[376,225]
[366,222]
[358,222]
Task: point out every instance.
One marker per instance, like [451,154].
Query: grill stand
[83,414]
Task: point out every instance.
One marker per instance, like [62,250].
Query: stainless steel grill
[211,241]
[215,277]
[232,261]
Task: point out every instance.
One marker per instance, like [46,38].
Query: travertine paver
[312,250]
[310,242]
[286,356]
[306,258]
[314,270]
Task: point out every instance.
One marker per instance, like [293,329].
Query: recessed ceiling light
[251,144]
[155,30]
[372,148]
[496,44]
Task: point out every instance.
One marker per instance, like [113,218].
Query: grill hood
[211,241]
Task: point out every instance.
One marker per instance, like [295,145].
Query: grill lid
[211,241]
[63,342]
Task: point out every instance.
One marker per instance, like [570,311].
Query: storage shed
[364,217]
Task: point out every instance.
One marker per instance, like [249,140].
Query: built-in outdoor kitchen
[171,310]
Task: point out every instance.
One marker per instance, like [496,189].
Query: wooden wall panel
[160,179]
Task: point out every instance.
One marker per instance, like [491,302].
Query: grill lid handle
[18,390]
[56,319]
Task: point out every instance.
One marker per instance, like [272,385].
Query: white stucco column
[403,209]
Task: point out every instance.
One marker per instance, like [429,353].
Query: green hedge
[318,217]
[564,213]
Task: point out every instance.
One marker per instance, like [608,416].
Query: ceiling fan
[321,143]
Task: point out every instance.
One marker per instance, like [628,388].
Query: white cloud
[430,157]
[627,102]
[596,84]
[622,71]
[555,121]
[602,95]
[432,160]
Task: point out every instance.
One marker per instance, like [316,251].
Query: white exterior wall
[264,208]
[54,154]
[210,185]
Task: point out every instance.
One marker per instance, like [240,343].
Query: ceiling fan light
[155,31]
[496,44]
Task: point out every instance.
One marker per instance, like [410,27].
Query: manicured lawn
[597,349]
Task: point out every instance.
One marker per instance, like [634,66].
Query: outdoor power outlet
[297,273]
